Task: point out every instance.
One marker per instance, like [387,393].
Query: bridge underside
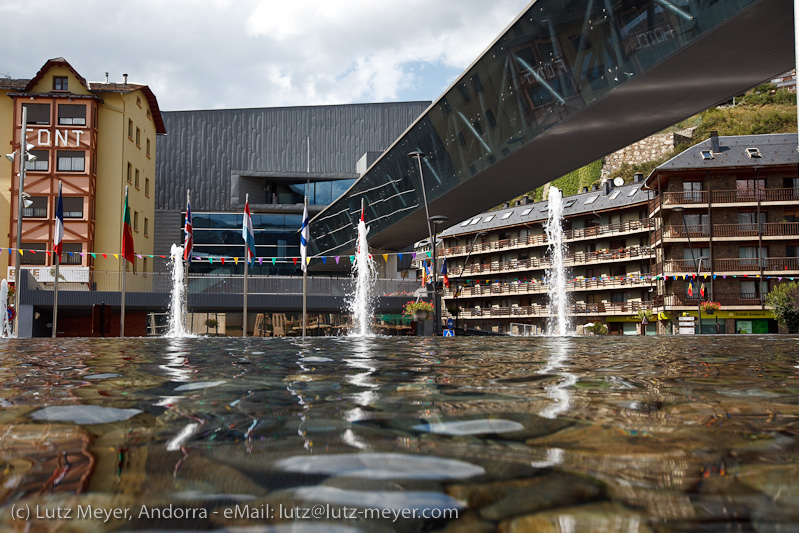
[567,87]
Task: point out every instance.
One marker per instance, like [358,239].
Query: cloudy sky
[205,54]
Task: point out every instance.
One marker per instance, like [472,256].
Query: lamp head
[438,219]
[11,156]
[417,153]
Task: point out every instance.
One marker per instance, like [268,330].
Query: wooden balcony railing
[636,252]
[626,308]
[725,299]
[766,229]
[536,240]
[734,264]
[530,287]
[727,197]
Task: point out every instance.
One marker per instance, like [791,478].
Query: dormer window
[707,154]
[60,83]
[753,153]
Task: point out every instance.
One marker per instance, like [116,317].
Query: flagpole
[57,261]
[187,259]
[246,263]
[304,273]
[123,266]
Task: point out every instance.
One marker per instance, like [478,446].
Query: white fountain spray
[363,270]
[5,323]
[177,302]
[556,274]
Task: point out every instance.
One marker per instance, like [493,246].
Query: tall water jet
[5,322]
[177,301]
[558,323]
[363,270]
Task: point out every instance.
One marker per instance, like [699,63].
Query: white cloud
[250,53]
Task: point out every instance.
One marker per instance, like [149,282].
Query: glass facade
[219,235]
[558,58]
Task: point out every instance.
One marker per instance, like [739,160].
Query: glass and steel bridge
[568,82]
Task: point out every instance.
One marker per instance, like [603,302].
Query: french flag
[58,239]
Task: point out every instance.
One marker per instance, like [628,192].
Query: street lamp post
[418,155]
[436,220]
[24,157]
[463,269]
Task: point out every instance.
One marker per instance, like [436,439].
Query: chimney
[593,187]
[606,187]
[638,177]
[714,141]
[506,205]
[518,203]
[585,189]
[125,79]
[526,199]
[106,77]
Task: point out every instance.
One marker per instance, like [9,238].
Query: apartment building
[497,263]
[95,138]
[726,215]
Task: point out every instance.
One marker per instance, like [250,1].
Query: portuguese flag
[127,232]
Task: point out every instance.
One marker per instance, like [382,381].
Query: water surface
[532,434]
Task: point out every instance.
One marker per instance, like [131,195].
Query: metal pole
[796,44]
[123,266]
[436,301]
[246,262]
[186,270]
[698,300]
[23,156]
[55,284]
[304,281]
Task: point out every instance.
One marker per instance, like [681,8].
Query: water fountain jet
[363,270]
[177,301]
[558,323]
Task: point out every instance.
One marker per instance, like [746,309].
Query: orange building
[95,138]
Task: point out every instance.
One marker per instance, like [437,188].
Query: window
[147,187]
[73,207]
[527,211]
[748,221]
[148,147]
[136,181]
[71,115]
[130,173]
[71,253]
[568,204]
[38,113]
[37,209]
[753,153]
[633,191]
[464,92]
[475,221]
[489,218]
[692,191]
[506,215]
[70,161]
[130,129]
[476,83]
[706,154]
[138,137]
[591,199]
[146,227]
[135,221]
[753,289]
[750,189]
[33,253]
[691,257]
[144,266]
[42,162]
[492,120]
[60,83]
[748,255]
[791,215]
[138,101]
[696,224]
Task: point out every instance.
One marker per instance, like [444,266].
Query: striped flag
[304,234]
[127,232]
[188,243]
[58,239]
[247,232]
[444,272]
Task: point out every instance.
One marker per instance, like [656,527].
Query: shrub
[784,298]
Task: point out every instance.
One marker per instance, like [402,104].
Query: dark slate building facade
[277,156]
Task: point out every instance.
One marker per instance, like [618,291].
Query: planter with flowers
[419,310]
[710,307]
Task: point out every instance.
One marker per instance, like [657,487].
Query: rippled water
[538,434]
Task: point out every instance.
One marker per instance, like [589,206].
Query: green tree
[784,298]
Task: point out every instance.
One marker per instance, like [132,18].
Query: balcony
[736,196]
[542,311]
[771,265]
[632,226]
[725,299]
[732,231]
[530,287]
[539,263]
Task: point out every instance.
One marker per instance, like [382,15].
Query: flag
[424,273]
[247,232]
[690,288]
[59,225]
[188,242]
[444,273]
[127,232]
[304,231]
[429,272]
[702,290]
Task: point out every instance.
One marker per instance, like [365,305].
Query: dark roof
[204,149]
[536,212]
[774,149]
